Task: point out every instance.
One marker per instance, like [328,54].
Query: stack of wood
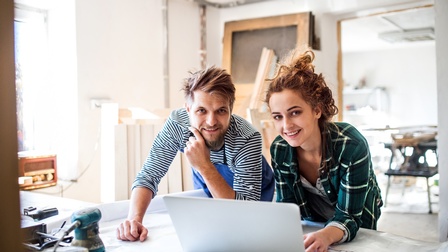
[266,69]
[252,96]
[254,109]
[413,138]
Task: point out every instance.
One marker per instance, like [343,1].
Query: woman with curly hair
[322,166]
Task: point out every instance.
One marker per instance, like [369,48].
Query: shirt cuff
[341,227]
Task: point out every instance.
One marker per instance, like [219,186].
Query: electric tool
[85,223]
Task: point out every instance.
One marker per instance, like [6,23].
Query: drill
[86,229]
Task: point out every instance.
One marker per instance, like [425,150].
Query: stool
[411,166]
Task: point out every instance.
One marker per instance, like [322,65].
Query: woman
[323,166]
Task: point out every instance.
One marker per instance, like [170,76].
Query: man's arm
[163,150]
[132,228]
[216,184]
[248,176]
[140,199]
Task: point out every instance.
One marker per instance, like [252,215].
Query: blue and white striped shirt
[241,153]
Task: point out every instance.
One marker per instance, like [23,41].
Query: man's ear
[187,107]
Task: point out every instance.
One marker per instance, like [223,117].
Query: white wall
[441,26]
[184,45]
[409,76]
[120,55]
[64,81]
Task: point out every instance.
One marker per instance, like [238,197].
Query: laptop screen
[207,224]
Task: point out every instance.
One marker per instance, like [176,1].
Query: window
[31,72]
[46,82]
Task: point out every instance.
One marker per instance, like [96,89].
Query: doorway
[387,80]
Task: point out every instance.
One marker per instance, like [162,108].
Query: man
[224,150]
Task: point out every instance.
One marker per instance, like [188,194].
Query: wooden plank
[242,98]
[175,175]
[121,183]
[265,68]
[340,87]
[263,122]
[187,177]
[148,134]
[109,119]
[412,138]
[299,20]
[130,155]
[141,128]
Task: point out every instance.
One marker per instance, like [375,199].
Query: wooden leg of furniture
[387,190]
[429,195]
[403,184]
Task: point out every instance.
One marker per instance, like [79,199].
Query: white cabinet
[365,106]
[368,110]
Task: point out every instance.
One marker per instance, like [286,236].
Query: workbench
[414,164]
[162,235]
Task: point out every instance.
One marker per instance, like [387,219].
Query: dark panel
[247,47]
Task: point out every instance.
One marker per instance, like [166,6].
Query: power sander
[85,223]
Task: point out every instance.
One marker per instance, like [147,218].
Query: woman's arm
[354,177]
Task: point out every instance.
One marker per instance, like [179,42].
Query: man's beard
[217,144]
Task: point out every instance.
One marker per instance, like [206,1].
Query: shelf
[360,91]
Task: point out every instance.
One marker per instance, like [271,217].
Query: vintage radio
[37,170]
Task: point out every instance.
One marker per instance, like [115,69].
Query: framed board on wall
[244,41]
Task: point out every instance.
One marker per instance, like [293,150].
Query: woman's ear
[317,112]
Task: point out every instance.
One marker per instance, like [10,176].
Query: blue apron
[267,184]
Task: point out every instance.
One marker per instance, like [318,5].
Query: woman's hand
[320,240]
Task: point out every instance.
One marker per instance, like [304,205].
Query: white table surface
[162,236]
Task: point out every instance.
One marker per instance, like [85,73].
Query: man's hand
[197,152]
[131,230]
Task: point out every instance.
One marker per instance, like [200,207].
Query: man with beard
[224,150]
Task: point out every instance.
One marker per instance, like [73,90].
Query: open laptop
[206,224]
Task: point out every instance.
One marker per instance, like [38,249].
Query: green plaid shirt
[350,183]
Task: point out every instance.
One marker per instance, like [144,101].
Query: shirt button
[328,191]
